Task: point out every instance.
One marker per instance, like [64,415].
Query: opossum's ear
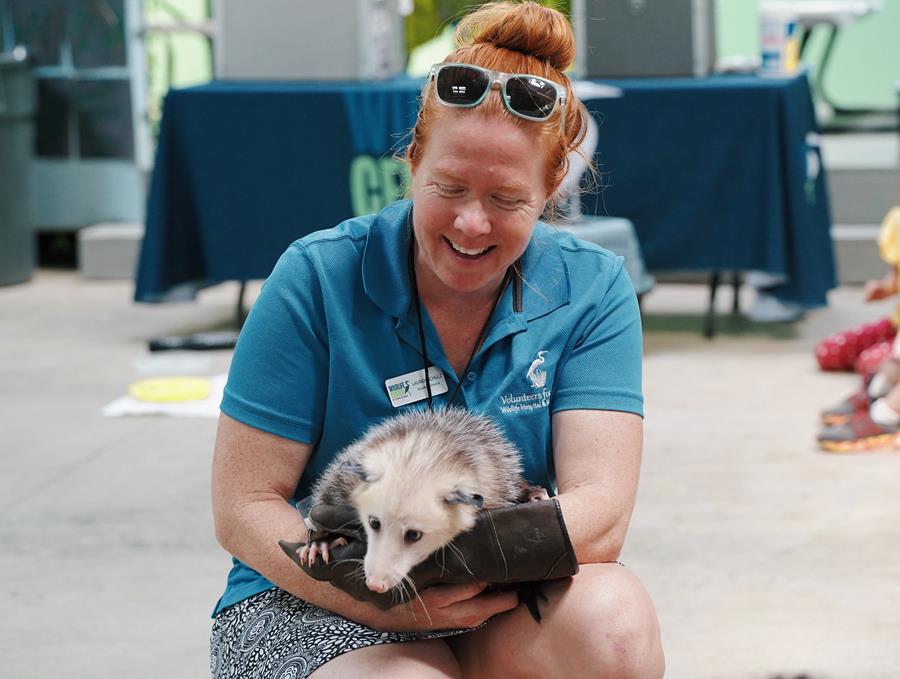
[460,497]
[356,469]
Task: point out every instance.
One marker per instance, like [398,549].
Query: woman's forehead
[490,145]
[482,123]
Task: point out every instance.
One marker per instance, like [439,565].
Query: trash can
[17,107]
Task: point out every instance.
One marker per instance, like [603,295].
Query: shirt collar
[546,278]
[385,272]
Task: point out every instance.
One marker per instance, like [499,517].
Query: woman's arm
[598,460]
[254,475]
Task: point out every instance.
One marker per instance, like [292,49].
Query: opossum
[417,481]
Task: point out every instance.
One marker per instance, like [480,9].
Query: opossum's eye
[374,523]
[412,535]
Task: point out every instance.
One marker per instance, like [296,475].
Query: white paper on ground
[208,407]
[181,363]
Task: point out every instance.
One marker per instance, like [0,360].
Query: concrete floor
[765,557]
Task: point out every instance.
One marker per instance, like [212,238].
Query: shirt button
[471,376]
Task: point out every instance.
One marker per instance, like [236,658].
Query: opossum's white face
[405,522]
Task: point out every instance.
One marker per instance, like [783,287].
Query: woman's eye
[374,523]
[448,191]
[413,535]
[508,203]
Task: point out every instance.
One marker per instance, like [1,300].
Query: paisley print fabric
[275,635]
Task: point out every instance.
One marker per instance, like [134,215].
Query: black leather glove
[517,544]
[345,562]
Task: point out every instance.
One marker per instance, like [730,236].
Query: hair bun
[525,27]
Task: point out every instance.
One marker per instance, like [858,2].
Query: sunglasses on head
[526,96]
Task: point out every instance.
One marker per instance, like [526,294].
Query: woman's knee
[610,614]
[601,623]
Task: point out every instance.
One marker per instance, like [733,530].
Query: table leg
[241,312]
[205,341]
[709,327]
[736,288]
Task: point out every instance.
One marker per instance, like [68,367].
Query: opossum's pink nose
[377,585]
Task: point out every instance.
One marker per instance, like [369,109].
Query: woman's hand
[441,607]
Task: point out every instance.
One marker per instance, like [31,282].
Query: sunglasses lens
[461,85]
[531,97]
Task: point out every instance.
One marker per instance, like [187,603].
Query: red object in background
[868,362]
[841,350]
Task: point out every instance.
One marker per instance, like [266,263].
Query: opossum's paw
[536,494]
[310,552]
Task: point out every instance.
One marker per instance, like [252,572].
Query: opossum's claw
[317,548]
[325,547]
[302,553]
[312,553]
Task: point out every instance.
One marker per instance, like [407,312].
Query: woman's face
[478,191]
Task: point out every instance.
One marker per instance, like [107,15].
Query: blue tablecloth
[716,174]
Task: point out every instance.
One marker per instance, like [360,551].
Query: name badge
[410,387]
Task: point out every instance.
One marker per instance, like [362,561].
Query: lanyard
[411,260]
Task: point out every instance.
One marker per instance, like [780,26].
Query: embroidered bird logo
[538,377]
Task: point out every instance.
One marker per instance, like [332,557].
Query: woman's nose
[472,220]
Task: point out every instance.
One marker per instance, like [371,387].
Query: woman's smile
[477,194]
[469,253]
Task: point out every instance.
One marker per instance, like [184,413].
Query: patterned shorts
[275,635]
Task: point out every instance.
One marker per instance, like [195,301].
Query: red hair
[515,38]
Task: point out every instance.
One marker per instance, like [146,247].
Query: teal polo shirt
[334,322]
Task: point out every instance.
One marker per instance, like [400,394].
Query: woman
[524,324]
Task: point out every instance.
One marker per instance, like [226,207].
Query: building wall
[865,63]
[864,67]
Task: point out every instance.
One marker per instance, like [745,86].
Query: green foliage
[429,17]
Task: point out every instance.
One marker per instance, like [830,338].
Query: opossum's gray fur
[447,439]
